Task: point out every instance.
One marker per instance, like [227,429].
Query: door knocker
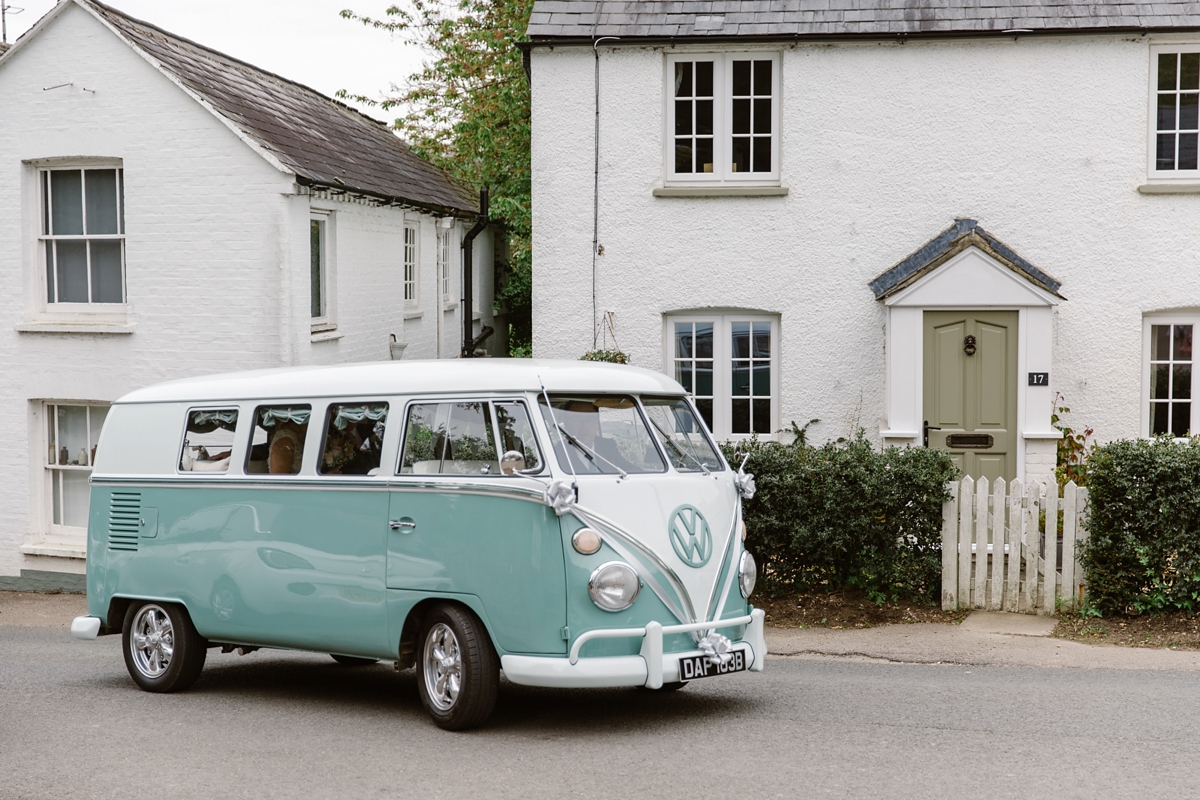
[969,345]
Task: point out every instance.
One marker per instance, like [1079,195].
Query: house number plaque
[1039,379]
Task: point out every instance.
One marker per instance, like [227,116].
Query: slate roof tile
[662,18]
[315,136]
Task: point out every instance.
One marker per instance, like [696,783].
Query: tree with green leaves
[467,111]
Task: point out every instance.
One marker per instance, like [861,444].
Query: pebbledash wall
[217,263]
[1042,139]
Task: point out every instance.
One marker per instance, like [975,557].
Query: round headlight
[585,541]
[614,586]
[747,574]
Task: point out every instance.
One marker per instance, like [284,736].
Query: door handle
[404,524]
[928,428]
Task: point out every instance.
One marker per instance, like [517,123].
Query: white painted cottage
[921,218]
[168,211]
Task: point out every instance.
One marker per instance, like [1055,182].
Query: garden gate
[994,553]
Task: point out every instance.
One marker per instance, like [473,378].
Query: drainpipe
[468,292]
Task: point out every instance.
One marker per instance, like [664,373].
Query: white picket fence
[1001,550]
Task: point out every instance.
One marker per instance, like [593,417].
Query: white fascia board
[978,281]
[238,132]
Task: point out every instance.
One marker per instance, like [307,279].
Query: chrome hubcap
[152,641]
[443,667]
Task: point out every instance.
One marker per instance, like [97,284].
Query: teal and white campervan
[568,523]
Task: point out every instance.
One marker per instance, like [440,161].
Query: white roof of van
[450,376]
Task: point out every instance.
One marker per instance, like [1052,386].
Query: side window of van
[353,438]
[516,437]
[449,439]
[277,445]
[208,441]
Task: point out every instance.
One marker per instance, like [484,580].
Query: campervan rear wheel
[458,674]
[353,661]
[163,651]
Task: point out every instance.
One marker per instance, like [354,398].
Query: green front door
[971,389]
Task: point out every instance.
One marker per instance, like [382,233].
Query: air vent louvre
[124,517]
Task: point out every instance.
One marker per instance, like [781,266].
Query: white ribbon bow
[560,496]
[745,484]
[717,648]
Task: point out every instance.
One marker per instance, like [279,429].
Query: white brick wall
[217,253]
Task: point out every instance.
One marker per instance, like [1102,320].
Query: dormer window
[723,119]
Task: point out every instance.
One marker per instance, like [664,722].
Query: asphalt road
[275,724]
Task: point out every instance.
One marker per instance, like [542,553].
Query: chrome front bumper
[650,668]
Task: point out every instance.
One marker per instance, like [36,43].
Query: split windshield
[681,434]
[600,435]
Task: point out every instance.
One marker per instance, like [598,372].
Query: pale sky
[302,40]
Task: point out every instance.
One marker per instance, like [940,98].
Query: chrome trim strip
[688,612]
[621,633]
[714,609]
[373,484]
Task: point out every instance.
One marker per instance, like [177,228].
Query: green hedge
[846,515]
[1142,552]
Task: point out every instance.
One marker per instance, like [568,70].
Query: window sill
[1042,435]
[417,314]
[1191,187]
[55,550]
[449,306]
[75,326]
[720,191]
[330,335]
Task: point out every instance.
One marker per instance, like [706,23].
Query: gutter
[823,38]
[434,208]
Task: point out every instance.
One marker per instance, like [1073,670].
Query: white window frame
[722,173]
[1176,318]
[52,473]
[1155,175]
[46,238]
[445,261]
[326,321]
[723,366]
[412,270]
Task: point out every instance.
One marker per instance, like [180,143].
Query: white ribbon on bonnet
[560,496]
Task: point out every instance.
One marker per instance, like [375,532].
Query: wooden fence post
[950,549]
[1070,531]
[979,600]
[1029,504]
[1013,539]
[1050,592]
[965,506]
[997,525]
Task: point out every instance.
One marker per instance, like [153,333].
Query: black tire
[163,651]
[475,667]
[353,661]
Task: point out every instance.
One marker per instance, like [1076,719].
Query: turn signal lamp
[586,541]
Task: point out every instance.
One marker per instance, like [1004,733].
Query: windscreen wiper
[666,439]
[591,454]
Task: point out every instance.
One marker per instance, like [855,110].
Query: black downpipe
[468,292]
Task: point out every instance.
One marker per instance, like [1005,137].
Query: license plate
[696,667]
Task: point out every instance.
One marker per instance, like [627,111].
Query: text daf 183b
[569,523]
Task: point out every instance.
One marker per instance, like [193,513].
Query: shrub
[1142,552]
[846,515]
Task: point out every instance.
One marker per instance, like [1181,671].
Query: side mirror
[512,462]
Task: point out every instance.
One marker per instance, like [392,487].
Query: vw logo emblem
[690,536]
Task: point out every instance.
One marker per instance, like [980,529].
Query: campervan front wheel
[163,651]
[458,674]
